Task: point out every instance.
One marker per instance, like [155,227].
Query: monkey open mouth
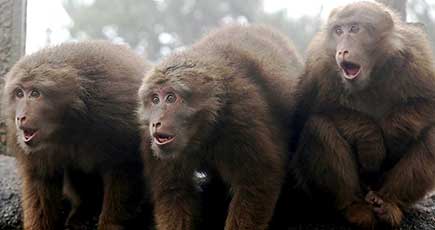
[29,134]
[351,70]
[163,139]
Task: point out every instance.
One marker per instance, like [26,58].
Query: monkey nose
[21,119]
[342,53]
[157,124]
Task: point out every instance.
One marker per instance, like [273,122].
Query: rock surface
[421,217]
[10,212]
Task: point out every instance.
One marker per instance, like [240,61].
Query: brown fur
[238,81]
[391,106]
[88,94]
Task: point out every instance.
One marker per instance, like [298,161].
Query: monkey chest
[377,108]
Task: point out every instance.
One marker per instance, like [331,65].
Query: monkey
[71,123]
[220,106]
[364,119]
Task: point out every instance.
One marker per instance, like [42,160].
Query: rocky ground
[10,213]
[421,217]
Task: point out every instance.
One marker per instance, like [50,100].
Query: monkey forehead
[46,73]
[360,12]
[158,81]
[46,77]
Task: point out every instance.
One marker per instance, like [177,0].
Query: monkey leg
[366,138]
[174,194]
[323,162]
[42,201]
[409,180]
[123,194]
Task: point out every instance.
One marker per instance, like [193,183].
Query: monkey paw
[375,201]
[387,212]
[360,215]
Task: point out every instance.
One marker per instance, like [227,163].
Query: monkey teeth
[29,134]
[351,70]
[162,139]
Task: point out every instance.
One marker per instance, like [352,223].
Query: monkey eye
[19,93]
[171,98]
[35,93]
[155,99]
[338,30]
[354,28]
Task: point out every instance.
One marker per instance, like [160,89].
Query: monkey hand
[387,211]
[360,215]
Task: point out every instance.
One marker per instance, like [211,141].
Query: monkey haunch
[70,119]
[368,115]
[219,105]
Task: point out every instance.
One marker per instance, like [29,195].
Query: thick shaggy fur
[238,81]
[88,92]
[370,151]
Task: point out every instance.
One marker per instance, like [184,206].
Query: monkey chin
[164,152]
[31,149]
[357,84]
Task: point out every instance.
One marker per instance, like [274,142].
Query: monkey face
[170,124]
[175,111]
[35,117]
[355,35]
[36,103]
[351,55]
[169,119]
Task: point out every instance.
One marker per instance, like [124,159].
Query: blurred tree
[160,26]
[421,10]
[155,26]
[300,30]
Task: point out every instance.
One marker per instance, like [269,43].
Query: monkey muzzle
[163,138]
[351,70]
[29,134]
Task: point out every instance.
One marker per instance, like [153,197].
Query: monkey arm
[41,200]
[255,173]
[324,165]
[408,122]
[411,178]
[174,195]
[324,158]
[123,189]
[251,207]
[365,135]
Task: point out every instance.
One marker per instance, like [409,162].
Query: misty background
[155,28]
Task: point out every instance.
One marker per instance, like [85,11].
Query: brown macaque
[221,105]
[366,105]
[71,123]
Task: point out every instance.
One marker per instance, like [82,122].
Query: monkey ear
[387,21]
